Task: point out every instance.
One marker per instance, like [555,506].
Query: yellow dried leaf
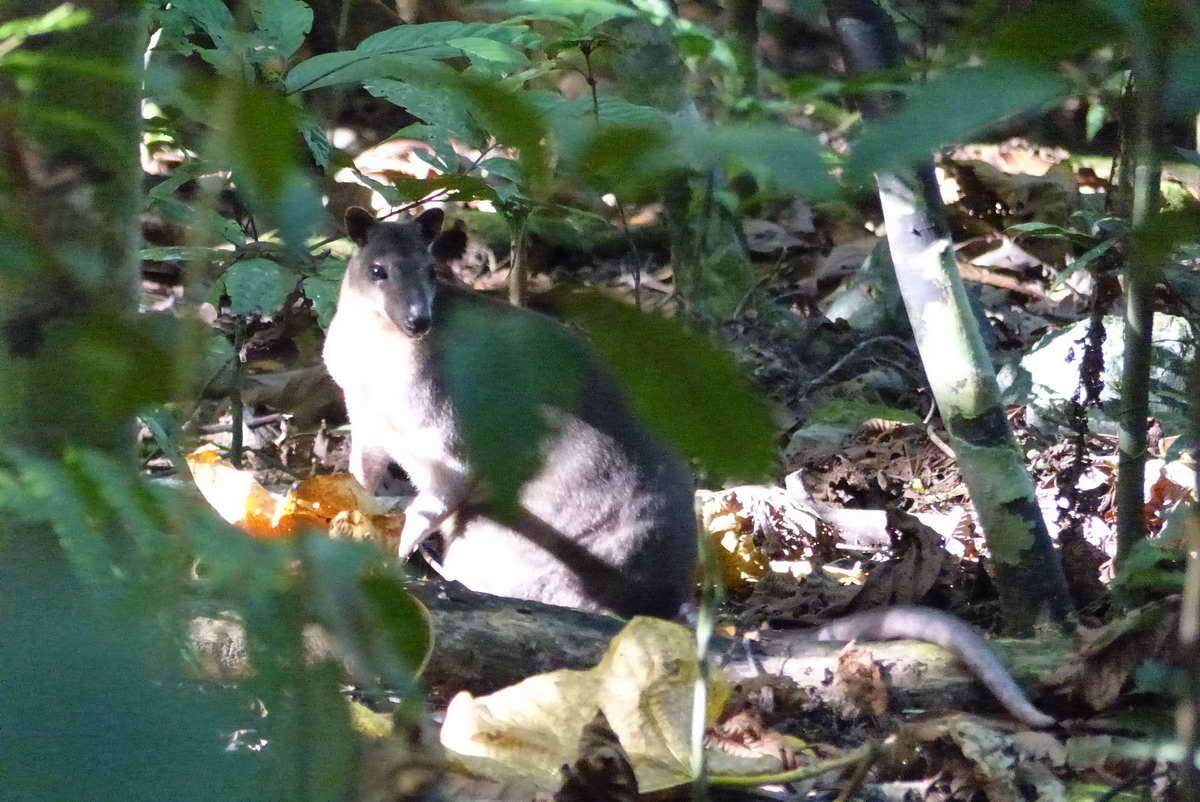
[235,494]
[644,686]
[319,502]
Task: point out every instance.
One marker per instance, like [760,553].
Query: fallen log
[483,643]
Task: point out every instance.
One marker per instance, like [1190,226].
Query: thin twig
[237,408]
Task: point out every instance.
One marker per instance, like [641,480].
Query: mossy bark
[1026,566]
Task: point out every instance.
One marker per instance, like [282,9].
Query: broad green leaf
[464,187]
[489,50]
[314,744]
[597,11]
[948,110]
[323,292]
[639,156]
[430,101]
[183,253]
[229,64]
[347,593]
[1050,32]
[504,168]
[263,141]
[266,158]
[283,24]
[49,491]
[503,373]
[1042,230]
[102,684]
[787,159]
[206,221]
[258,286]
[434,36]
[513,122]
[62,18]
[394,53]
[132,358]
[687,390]
[214,17]
[318,144]
[403,620]
[350,66]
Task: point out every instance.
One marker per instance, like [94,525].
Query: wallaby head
[393,272]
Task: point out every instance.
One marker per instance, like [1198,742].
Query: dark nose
[418,320]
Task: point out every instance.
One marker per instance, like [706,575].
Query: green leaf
[165,428]
[503,167]
[132,357]
[184,253]
[1042,230]
[597,11]
[283,24]
[948,110]
[1083,262]
[430,101]
[403,620]
[1050,32]
[214,17]
[505,374]
[205,221]
[350,66]
[266,158]
[687,390]
[323,292]
[395,53]
[465,187]
[62,18]
[639,156]
[49,491]
[513,122]
[491,51]
[258,285]
[318,144]
[787,159]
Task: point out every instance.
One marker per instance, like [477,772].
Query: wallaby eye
[378,272]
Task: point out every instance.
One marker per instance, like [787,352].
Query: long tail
[936,626]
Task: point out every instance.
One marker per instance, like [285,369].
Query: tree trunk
[72,194]
[84,718]
[1027,569]
[1146,161]
[742,21]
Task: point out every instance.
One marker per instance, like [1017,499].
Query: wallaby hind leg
[368,463]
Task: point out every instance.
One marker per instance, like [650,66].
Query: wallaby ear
[358,223]
[450,245]
[430,222]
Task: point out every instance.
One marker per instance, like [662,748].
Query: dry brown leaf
[860,684]
[997,766]
[603,770]
[1110,655]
